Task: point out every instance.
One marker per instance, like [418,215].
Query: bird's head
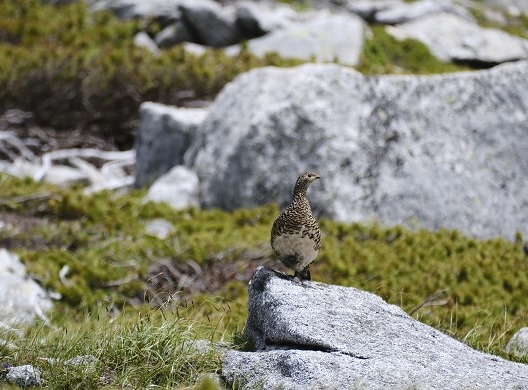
[304,181]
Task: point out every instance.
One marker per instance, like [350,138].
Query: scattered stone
[160,228]
[211,23]
[363,342]
[142,40]
[163,10]
[456,39]
[21,298]
[435,151]
[194,48]
[256,19]
[174,34]
[163,137]
[24,376]
[368,9]
[82,360]
[406,12]
[323,38]
[179,188]
[518,344]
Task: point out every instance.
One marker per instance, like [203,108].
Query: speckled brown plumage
[295,236]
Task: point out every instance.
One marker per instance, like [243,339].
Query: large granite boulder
[317,336]
[430,151]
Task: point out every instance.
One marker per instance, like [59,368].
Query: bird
[295,235]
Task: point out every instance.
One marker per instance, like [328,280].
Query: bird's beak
[317,177]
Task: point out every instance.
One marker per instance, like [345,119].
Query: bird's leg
[304,274]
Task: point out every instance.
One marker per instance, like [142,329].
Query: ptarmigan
[295,236]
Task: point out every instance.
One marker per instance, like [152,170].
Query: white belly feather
[295,245]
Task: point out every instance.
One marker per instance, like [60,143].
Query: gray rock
[165,10]
[317,336]
[438,151]
[174,34]
[518,344]
[255,19]
[194,48]
[456,39]
[179,188]
[406,12]
[213,24]
[514,7]
[24,376]
[163,136]
[82,360]
[324,38]
[144,41]
[21,298]
[160,228]
[368,9]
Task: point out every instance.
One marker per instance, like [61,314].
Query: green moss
[383,53]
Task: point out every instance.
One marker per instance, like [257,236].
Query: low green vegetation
[75,69]
[512,24]
[384,54]
[121,303]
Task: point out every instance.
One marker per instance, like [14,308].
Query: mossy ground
[474,290]
[75,69]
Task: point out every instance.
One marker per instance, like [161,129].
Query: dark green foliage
[76,69]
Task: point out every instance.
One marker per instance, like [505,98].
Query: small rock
[194,48]
[163,10]
[143,40]
[455,39]
[367,9]
[24,376]
[406,12]
[173,34]
[323,37]
[256,19]
[163,137]
[179,188]
[211,23]
[82,360]
[518,344]
[21,298]
[160,228]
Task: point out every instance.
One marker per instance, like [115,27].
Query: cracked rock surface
[322,336]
